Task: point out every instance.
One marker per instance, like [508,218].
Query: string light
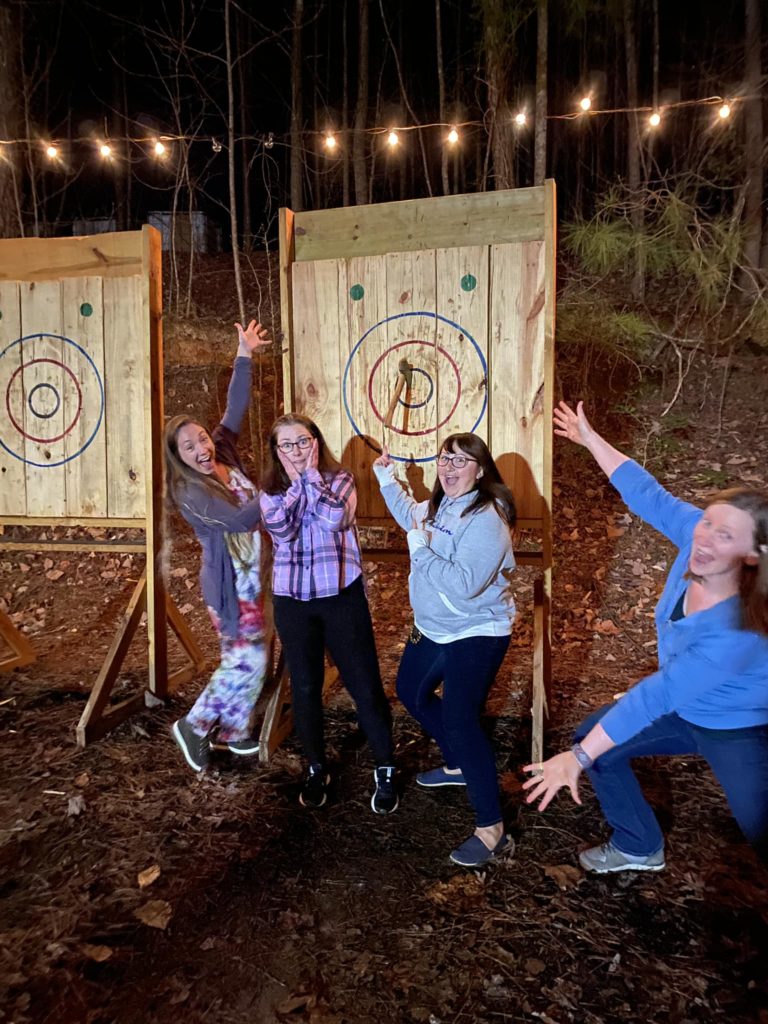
[159,148]
[215,145]
[453,136]
[105,150]
[655,119]
[585,103]
[393,138]
[51,151]
[520,119]
[724,112]
[330,141]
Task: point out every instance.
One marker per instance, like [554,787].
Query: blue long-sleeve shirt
[712,672]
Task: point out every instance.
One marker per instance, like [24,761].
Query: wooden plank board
[116,254]
[50,398]
[512,215]
[83,323]
[518,427]
[411,301]
[13,479]
[287,250]
[317,328]
[462,297]
[124,382]
[363,344]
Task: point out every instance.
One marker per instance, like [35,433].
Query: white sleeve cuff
[385,474]
[417,539]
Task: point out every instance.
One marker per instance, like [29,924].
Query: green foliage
[598,325]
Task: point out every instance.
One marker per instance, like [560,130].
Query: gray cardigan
[211,516]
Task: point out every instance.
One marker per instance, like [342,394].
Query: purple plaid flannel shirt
[312,525]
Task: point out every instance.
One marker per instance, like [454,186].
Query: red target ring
[31,437]
[431,429]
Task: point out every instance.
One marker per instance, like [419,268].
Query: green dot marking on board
[469,282]
[356,292]
[86,309]
[1,314]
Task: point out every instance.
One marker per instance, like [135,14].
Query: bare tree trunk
[633,147]
[243,81]
[231,164]
[345,109]
[753,128]
[10,213]
[296,107]
[540,129]
[441,93]
[361,108]
[498,46]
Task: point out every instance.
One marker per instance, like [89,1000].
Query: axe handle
[395,400]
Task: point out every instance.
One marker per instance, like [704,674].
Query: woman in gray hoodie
[460,545]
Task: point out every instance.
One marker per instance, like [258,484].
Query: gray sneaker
[193,747]
[606,859]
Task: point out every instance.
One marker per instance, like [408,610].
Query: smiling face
[457,480]
[294,441]
[723,540]
[196,449]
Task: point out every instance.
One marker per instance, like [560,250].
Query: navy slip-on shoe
[473,853]
[439,777]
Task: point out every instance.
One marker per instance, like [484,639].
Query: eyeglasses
[455,461]
[303,443]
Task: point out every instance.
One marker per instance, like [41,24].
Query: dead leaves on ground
[155,914]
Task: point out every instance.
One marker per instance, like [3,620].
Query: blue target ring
[399,316]
[419,405]
[36,412]
[90,378]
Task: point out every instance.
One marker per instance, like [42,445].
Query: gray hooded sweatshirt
[460,581]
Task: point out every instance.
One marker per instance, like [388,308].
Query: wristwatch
[585,761]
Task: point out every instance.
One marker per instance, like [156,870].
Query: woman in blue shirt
[710,694]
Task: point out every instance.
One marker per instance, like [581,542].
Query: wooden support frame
[121,277]
[21,651]
[318,248]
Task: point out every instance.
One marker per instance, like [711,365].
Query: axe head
[406,371]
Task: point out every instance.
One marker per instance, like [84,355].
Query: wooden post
[287,256]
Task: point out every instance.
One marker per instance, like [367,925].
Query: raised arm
[405,510]
[577,428]
[250,338]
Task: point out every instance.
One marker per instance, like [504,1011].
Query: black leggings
[342,623]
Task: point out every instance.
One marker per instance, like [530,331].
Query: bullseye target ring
[370,419]
[33,411]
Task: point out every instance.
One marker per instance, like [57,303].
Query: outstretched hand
[253,336]
[573,425]
[385,459]
[550,776]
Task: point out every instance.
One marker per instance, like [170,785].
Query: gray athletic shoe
[606,859]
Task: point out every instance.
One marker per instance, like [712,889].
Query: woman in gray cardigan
[208,482]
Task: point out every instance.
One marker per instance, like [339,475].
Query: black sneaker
[384,799]
[193,747]
[314,792]
[245,748]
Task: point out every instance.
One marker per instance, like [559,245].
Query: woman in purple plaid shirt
[308,505]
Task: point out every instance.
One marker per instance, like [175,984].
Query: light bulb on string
[655,119]
[159,148]
[724,112]
[393,138]
[51,151]
[215,145]
[330,141]
[585,103]
[453,136]
[520,119]
[105,150]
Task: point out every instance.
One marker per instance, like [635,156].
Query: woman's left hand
[314,455]
[253,336]
[550,776]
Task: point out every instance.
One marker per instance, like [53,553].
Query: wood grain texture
[13,479]
[117,254]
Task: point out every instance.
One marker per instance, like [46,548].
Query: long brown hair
[753,579]
[179,477]
[490,488]
[276,480]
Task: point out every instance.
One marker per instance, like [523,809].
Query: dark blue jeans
[466,668]
[737,757]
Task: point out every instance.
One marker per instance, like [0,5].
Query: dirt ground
[133,891]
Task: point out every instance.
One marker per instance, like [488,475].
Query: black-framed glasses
[455,461]
[286,447]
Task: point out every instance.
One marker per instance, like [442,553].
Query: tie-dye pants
[229,698]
